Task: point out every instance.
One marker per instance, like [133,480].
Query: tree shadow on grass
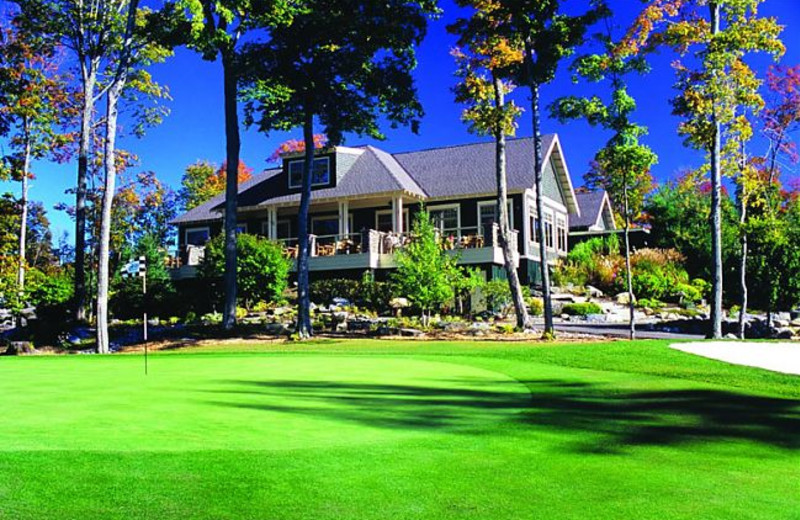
[607,419]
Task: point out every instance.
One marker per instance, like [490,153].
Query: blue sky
[195,129]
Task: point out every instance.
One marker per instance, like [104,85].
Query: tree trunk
[233,146]
[716,203]
[23,224]
[304,328]
[743,270]
[549,329]
[520,308]
[89,79]
[110,166]
[628,271]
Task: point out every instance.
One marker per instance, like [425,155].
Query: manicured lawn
[406,430]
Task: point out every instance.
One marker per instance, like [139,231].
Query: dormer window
[320,176]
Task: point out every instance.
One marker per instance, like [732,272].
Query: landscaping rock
[781,323]
[783,334]
[411,333]
[622,298]
[731,335]
[594,292]
[276,328]
[20,348]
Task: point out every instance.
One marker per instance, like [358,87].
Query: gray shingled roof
[212,210]
[454,171]
[374,171]
[469,169]
[591,204]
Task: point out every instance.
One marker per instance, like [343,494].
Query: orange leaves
[641,30]
[297,146]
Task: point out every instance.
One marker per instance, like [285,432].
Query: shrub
[535,306]
[581,309]
[367,293]
[497,294]
[262,269]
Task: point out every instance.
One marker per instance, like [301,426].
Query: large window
[197,236]
[327,225]
[561,232]
[284,229]
[446,218]
[320,176]
[383,220]
[487,214]
[533,222]
[548,230]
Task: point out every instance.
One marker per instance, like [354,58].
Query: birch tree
[484,58]
[718,35]
[36,104]
[622,166]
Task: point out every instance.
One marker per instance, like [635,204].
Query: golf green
[398,430]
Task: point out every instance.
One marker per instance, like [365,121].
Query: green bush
[366,293]
[262,268]
[581,309]
[497,294]
[535,306]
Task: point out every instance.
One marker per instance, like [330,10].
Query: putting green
[246,402]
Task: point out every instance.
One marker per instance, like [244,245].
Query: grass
[390,429]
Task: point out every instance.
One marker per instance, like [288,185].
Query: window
[533,222]
[284,229]
[241,228]
[383,220]
[327,225]
[320,176]
[487,214]
[561,232]
[446,218]
[197,236]
[548,230]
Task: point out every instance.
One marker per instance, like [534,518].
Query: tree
[677,214]
[134,48]
[143,206]
[216,29]
[770,209]
[721,33]
[425,270]
[263,269]
[297,146]
[346,63]
[87,29]
[483,59]
[203,180]
[546,36]
[37,103]
[622,166]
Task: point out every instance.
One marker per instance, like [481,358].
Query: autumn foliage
[204,180]
[297,146]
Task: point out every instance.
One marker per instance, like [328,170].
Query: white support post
[397,215]
[272,223]
[344,218]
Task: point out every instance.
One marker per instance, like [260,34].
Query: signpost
[138,268]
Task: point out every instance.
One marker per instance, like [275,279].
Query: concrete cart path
[620,330]
[778,357]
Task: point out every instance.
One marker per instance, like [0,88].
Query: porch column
[344,218]
[397,215]
[272,223]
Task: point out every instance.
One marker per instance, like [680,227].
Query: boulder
[411,333]
[594,292]
[783,334]
[20,348]
[399,303]
[622,298]
[276,328]
[780,323]
[731,335]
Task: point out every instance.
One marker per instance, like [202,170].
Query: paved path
[620,330]
[778,357]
